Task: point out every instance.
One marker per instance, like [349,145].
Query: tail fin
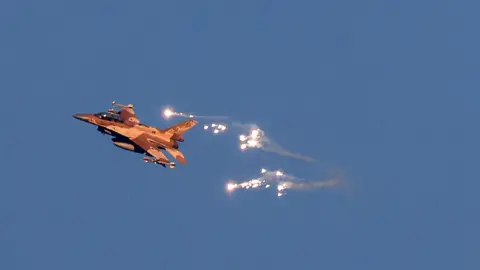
[180,128]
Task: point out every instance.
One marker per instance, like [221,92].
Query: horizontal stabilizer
[177,155]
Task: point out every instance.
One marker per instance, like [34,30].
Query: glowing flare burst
[261,182]
[216,128]
[283,182]
[253,140]
[167,113]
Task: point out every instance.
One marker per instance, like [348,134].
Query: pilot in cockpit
[109,116]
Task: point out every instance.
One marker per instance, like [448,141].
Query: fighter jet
[129,134]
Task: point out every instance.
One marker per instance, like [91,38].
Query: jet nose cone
[81,117]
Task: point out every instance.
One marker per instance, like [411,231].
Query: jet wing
[143,142]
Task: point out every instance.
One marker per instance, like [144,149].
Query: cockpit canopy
[109,116]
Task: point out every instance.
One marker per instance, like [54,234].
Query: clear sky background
[385,92]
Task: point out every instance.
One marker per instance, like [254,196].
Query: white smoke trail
[283,182]
[257,139]
[168,113]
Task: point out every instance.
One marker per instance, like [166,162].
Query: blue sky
[385,92]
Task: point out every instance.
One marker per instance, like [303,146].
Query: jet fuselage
[122,132]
